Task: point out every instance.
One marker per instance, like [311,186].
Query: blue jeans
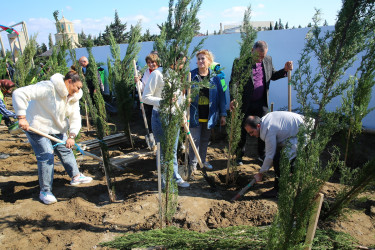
[158,132]
[201,137]
[44,152]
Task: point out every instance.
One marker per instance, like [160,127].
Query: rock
[4,156]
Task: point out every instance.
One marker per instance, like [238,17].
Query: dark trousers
[148,111]
[276,166]
[256,108]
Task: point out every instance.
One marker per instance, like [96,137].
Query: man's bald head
[83,61]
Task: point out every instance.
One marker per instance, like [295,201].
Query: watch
[72,136]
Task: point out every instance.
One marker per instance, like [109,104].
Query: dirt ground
[83,217]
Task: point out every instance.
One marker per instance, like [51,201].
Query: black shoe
[270,193]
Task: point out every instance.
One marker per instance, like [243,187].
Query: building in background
[236,28]
[65,27]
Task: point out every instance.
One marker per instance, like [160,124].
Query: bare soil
[83,217]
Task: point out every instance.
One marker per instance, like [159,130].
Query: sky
[93,16]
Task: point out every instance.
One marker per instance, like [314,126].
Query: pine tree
[281,26]
[181,18]
[118,30]
[123,75]
[50,42]
[24,67]
[270,28]
[325,23]
[241,73]
[335,52]
[276,26]
[286,26]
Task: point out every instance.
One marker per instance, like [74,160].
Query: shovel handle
[243,190]
[60,141]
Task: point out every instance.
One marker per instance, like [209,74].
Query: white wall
[283,45]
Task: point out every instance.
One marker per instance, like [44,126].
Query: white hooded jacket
[47,106]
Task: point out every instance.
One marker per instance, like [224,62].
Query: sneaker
[183,184]
[270,193]
[80,179]
[47,197]
[207,165]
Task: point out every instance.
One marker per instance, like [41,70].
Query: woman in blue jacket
[206,108]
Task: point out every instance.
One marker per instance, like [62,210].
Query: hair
[7,84]
[72,75]
[153,57]
[261,45]
[252,121]
[207,53]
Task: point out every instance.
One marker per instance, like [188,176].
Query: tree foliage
[241,73]
[175,39]
[335,51]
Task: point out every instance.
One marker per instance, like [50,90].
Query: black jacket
[269,73]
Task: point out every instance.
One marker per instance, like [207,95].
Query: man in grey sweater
[275,129]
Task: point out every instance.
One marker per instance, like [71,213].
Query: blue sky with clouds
[92,16]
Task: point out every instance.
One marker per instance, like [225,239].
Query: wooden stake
[314,221]
[87,118]
[230,147]
[290,91]
[188,125]
[159,185]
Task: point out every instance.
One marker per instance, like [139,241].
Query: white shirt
[276,129]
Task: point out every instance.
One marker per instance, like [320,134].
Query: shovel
[60,141]
[149,136]
[243,190]
[202,168]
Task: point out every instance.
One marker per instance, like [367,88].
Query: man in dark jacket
[255,91]
[84,62]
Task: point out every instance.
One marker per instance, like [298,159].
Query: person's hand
[223,121]
[232,105]
[288,66]
[136,79]
[23,124]
[70,143]
[258,177]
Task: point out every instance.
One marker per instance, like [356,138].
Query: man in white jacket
[52,107]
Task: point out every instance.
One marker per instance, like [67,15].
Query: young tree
[281,26]
[270,28]
[286,26]
[335,52]
[24,67]
[124,77]
[240,75]
[182,17]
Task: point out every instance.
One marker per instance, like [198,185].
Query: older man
[275,129]
[255,92]
[84,62]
